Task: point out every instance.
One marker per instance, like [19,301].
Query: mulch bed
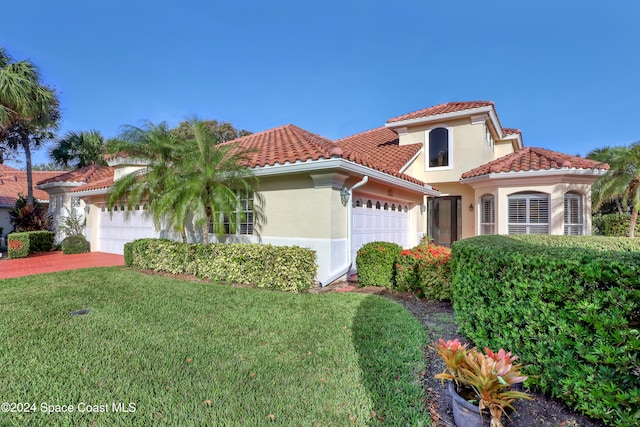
[438,319]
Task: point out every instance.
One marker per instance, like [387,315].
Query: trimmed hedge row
[618,225]
[569,307]
[288,268]
[20,245]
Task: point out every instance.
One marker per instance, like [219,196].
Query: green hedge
[375,263]
[75,245]
[618,225]
[20,245]
[569,307]
[288,268]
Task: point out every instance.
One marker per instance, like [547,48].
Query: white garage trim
[377,219]
[122,225]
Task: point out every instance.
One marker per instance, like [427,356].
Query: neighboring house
[13,182]
[334,196]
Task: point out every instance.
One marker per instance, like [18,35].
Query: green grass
[188,353]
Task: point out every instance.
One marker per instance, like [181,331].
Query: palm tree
[213,182]
[160,148]
[79,149]
[605,155]
[28,110]
[621,181]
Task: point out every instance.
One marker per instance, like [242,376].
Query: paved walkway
[56,261]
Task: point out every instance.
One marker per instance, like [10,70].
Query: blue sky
[564,72]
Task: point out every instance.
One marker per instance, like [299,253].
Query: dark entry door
[445,219]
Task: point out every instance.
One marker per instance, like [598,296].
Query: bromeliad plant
[490,375]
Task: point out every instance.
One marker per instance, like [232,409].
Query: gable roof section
[87,178]
[534,159]
[436,110]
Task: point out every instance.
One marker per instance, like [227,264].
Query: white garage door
[378,220]
[121,226]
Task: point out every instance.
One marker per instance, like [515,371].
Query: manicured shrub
[426,270]
[75,245]
[375,263]
[618,225]
[569,306]
[288,268]
[20,245]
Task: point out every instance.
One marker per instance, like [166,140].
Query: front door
[445,219]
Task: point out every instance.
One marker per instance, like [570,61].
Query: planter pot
[464,413]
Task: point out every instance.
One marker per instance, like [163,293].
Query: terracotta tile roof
[87,174]
[4,168]
[449,107]
[286,144]
[534,159]
[511,131]
[14,182]
[101,184]
[377,149]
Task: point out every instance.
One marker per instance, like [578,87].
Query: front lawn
[187,353]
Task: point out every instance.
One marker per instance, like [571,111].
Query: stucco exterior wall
[469,146]
[502,189]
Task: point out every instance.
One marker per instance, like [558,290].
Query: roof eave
[59,184]
[345,165]
[534,174]
[488,109]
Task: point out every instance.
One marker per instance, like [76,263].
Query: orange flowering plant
[425,269]
[489,375]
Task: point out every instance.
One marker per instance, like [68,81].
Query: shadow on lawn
[389,343]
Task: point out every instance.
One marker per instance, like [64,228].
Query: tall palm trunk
[632,225]
[27,153]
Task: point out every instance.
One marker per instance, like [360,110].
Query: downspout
[349,262]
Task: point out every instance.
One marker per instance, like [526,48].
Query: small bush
[375,263]
[287,268]
[20,245]
[75,245]
[425,269]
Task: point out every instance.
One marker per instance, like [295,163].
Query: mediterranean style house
[449,171]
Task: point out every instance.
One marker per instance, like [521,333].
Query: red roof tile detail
[449,107]
[534,159]
[13,182]
[511,131]
[379,149]
[101,184]
[87,174]
[286,144]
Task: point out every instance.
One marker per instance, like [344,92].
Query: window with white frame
[528,213]
[244,217]
[573,215]
[439,148]
[488,214]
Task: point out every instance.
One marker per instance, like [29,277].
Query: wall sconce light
[423,208]
[344,196]
[471,206]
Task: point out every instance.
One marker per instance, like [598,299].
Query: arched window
[377,205]
[439,147]
[393,207]
[369,205]
[573,214]
[386,206]
[359,203]
[528,213]
[488,214]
